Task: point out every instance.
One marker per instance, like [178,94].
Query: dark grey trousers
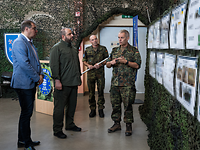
[65,101]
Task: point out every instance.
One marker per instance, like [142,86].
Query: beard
[68,40]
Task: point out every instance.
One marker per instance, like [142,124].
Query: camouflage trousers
[100,87]
[125,95]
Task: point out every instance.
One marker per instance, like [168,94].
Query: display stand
[44,93]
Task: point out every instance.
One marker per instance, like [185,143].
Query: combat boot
[115,127]
[128,131]
[92,113]
[101,114]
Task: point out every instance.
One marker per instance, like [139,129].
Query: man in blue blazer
[27,74]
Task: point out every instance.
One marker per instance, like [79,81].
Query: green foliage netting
[51,15]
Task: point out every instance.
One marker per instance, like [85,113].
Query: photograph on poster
[150,36]
[193,26]
[159,67]
[168,72]
[177,27]
[152,64]
[164,32]
[156,35]
[186,82]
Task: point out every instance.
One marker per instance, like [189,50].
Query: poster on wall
[45,90]
[193,26]
[168,72]
[150,36]
[177,27]
[164,32]
[152,64]
[9,39]
[159,67]
[156,35]
[186,72]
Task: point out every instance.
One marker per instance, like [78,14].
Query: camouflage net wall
[83,16]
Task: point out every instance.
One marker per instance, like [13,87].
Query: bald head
[93,41]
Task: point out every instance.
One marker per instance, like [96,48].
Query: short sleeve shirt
[124,75]
[92,57]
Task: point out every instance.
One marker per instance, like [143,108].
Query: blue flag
[135,31]
[9,39]
[135,35]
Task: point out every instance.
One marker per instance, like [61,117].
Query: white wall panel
[109,35]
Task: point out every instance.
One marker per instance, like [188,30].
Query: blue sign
[9,39]
[45,87]
[135,35]
[135,31]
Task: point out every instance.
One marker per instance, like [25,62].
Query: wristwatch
[126,63]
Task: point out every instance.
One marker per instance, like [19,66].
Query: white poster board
[164,32]
[168,72]
[150,36]
[152,64]
[177,27]
[156,35]
[193,26]
[186,72]
[159,67]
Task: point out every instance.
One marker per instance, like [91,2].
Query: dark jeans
[26,100]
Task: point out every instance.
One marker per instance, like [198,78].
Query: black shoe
[92,113]
[30,148]
[101,114]
[21,144]
[60,135]
[75,128]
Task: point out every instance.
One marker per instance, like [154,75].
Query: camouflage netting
[83,16]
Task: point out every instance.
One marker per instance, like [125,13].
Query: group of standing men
[65,66]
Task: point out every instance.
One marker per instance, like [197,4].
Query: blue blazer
[26,67]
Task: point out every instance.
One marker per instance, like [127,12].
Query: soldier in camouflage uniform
[94,54]
[125,61]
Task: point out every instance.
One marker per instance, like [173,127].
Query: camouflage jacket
[92,57]
[124,75]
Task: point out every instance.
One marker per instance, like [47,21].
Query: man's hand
[110,63]
[122,60]
[91,67]
[58,84]
[113,62]
[97,66]
[40,80]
